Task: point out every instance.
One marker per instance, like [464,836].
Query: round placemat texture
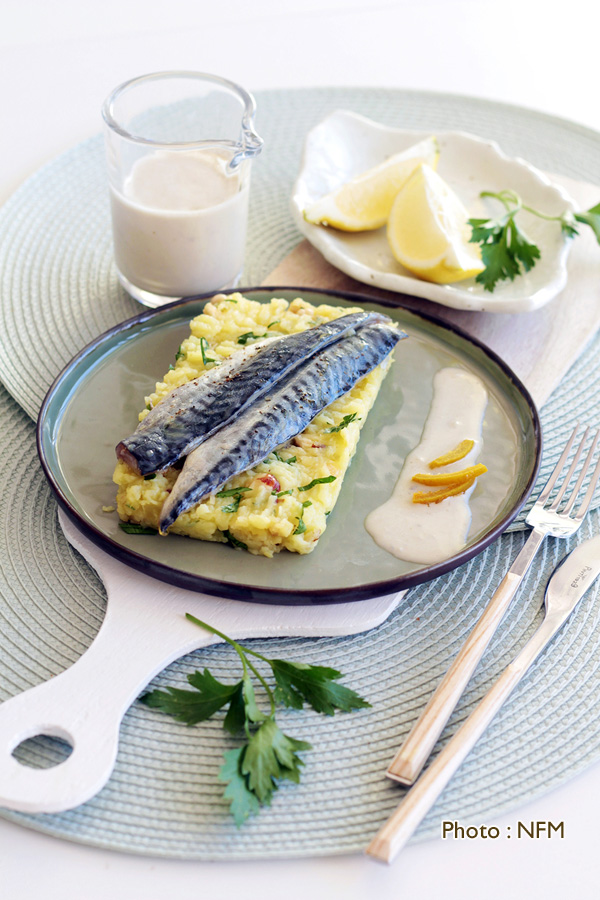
[164,799]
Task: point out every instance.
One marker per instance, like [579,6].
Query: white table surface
[57,63]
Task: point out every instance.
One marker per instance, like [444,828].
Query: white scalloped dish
[346,144]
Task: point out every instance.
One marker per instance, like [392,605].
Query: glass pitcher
[179,147]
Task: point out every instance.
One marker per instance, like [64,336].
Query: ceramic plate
[346,144]
[96,399]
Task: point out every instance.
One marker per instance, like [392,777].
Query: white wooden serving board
[144,630]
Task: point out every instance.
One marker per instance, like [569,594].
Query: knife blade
[572,578]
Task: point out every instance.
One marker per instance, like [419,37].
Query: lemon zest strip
[450,477]
[459,452]
[428,497]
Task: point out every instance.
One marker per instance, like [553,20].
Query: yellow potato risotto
[285,500]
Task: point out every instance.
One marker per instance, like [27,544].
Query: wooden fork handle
[415,751]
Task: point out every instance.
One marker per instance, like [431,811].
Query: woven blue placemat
[59,290]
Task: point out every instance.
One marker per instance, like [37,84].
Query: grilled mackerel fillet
[280,412]
[194,411]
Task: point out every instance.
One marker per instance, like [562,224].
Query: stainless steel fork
[546,517]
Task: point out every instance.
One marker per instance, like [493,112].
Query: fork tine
[589,494]
[557,469]
[583,473]
[571,472]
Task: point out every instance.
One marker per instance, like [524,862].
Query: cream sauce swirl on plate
[431,533]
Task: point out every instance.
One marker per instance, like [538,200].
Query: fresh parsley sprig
[505,250]
[267,756]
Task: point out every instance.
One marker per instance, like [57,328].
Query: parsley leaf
[234,541]
[569,229]
[260,762]
[249,336]
[244,803]
[327,480]
[343,424]
[231,492]
[482,229]
[270,755]
[193,706]
[590,217]
[234,505]
[298,683]
[134,528]
[252,711]
[523,250]
[504,250]
[498,261]
[235,719]
[289,460]
[204,345]
[236,493]
[301,526]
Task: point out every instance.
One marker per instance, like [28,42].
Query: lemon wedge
[364,202]
[428,230]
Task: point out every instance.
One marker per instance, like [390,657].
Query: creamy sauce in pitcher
[180,224]
[431,533]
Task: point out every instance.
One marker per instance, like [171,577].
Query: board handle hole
[43,751]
